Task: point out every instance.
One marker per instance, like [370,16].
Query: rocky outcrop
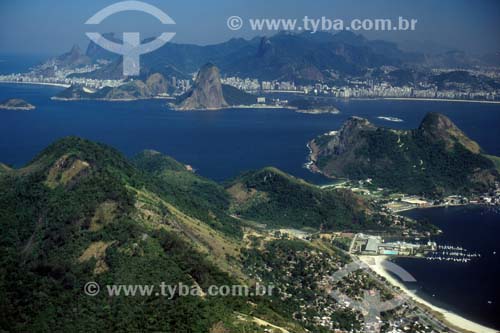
[74,58]
[206,93]
[157,84]
[131,90]
[438,127]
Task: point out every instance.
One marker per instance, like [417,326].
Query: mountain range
[303,57]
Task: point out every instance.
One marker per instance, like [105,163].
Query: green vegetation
[434,160]
[81,212]
[4,168]
[277,199]
[417,165]
[197,196]
[49,251]
[495,160]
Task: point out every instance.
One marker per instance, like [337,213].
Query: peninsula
[436,159]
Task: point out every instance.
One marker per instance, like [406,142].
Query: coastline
[437,100]
[295,92]
[38,83]
[448,317]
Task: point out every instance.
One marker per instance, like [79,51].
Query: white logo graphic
[131,49]
[372,305]
[234,23]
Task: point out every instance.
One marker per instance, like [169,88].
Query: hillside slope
[435,159]
[272,197]
[81,212]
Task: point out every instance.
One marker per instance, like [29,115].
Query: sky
[53,26]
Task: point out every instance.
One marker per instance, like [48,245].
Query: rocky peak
[355,123]
[348,134]
[438,127]
[157,84]
[76,51]
[74,57]
[206,92]
[265,47]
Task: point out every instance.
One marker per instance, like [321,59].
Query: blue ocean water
[218,144]
[469,289]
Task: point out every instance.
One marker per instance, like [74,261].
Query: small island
[16,105]
[311,106]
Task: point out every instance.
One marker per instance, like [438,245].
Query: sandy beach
[375,263]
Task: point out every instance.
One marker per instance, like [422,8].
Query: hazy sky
[53,26]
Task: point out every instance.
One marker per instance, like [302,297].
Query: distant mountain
[302,57]
[307,57]
[208,93]
[435,159]
[284,56]
[72,59]
[463,79]
[96,52]
[75,57]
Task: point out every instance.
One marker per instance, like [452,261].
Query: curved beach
[454,320]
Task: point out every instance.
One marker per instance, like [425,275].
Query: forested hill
[80,211]
[435,159]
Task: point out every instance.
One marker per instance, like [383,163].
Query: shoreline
[61,85]
[423,99]
[450,318]
[437,100]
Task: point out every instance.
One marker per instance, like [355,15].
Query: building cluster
[50,73]
[249,85]
[386,90]
[57,80]
[254,85]
[303,280]
[361,88]
[375,245]
[180,85]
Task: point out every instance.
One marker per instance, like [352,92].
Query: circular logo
[91,289]
[234,23]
